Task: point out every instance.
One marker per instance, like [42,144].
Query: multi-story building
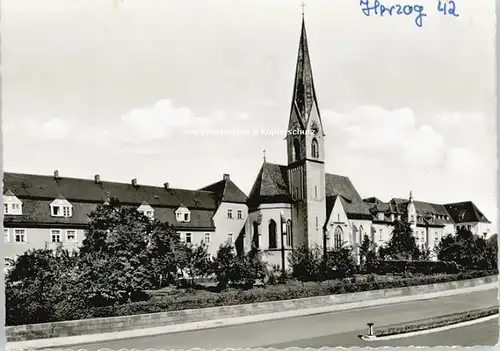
[46,211]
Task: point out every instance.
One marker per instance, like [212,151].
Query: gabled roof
[373,200]
[463,212]
[271,186]
[9,193]
[226,191]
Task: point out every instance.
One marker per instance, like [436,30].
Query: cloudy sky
[110,87]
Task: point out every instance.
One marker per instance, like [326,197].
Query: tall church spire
[304,96]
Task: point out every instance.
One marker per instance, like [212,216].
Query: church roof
[227,191]
[463,212]
[304,95]
[271,186]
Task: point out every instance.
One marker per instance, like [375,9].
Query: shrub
[307,263]
[416,267]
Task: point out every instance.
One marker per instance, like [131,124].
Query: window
[55,210]
[255,237]
[20,235]
[186,217]
[16,207]
[296,149]
[337,237]
[188,238]
[5,208]
[71,235]
[239,214]
[315,191]
[229,213]
[314,148]
[289,233]
[179,216]
[338,217]
[66,211]
[61,211]
[317,223]
[207,238]
[230,238]
[6,236]
[55,236]
[273,244]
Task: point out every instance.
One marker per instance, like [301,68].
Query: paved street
[332,329]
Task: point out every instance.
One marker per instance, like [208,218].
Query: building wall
[381,233]
[477,228]
[316,202]
[38,238]
[263,216]
[225,226]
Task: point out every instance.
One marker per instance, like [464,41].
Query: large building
[289,205]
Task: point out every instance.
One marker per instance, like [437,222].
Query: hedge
[291,290]
[421,267]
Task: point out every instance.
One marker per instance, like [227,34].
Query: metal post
[370,329]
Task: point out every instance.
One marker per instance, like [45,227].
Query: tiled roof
[37,192]
[226,191]
[463,212]
[373,200]
[271,185]
[39,186]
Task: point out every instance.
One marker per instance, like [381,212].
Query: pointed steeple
[304,96]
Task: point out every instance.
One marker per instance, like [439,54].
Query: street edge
[215,323]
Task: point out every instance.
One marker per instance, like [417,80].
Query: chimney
[134,182]
[225,176]
[166,185]
[97,179]
[56,174]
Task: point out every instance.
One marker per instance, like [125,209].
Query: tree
[41,287]
[165,253]
[364,248]
[223,265]
[402,245]
[114,259]
[340,262]
[250,267]
[468,250]
[307,263]
[195,260]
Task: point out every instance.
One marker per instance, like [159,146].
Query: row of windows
[188,238]
[239,214]
[56,235]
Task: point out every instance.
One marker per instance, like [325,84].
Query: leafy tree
[341,262]
[307,263]
[165,253]
[114,260]
[402,245]
[468,250]
[250,267]
[195,260]
[41,287]
[224,266]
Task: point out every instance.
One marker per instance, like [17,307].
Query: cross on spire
[264,152]
[302,4]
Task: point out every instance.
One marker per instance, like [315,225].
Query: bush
[416,267]
[290,290]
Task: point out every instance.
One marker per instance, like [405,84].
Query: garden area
[130,265]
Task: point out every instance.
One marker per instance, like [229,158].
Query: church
[288,206]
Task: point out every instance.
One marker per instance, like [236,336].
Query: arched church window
[296,149]
[289,233]
[315,148]
[255,237]
[337,237]
[272,235]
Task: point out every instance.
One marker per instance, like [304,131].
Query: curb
[432,330]
[215,323]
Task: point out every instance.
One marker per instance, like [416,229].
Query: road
[331,329]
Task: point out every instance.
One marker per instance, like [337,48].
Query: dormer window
[60,207]
[11,204]
[182,214]
[146,210]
